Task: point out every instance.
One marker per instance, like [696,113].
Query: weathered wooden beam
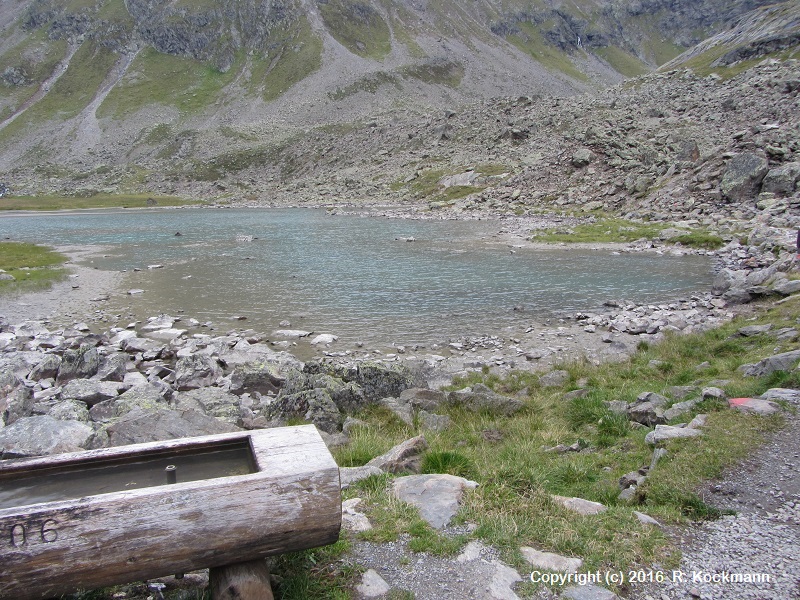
[243,581]
[292,502]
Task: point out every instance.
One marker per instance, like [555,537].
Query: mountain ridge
[116,112]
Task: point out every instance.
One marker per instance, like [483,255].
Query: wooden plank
[243,581]
[293,502]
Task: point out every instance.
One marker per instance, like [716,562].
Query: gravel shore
[77,298]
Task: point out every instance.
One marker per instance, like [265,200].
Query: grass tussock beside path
[508,456]
[32,267]
[97,201]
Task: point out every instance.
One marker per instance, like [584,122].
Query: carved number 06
[48,533]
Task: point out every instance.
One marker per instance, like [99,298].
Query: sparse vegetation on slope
[358,26]
[162,79]
[292,57]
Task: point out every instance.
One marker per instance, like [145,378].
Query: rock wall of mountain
[215,31]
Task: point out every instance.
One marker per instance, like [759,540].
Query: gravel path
[763,539]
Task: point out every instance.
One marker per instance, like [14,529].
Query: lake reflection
[353,276]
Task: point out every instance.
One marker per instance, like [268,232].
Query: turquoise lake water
[352,276]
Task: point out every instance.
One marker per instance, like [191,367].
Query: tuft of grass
[452,463]
[318,574]
[512,457]
[729,437]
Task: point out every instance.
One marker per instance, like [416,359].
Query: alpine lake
[370,280]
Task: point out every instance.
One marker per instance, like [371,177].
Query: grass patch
[155,78]
[530,40]
[33,267]
[316,574]
[94,201]
[358,27]
[703,64]
[33,61]
[441,72]
[291,58]
[622,231]
[369,83]
[622,62]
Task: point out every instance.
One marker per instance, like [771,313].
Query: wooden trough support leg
[242,581]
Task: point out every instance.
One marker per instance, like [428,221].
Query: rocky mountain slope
[106,94]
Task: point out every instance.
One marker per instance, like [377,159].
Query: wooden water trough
[92,519]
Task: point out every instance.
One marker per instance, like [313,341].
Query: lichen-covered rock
[346,395]
[78,364]
[47,368]
[16,405]
[144,425]
[582,157]
[648,409]
[554,378]
[70,410]
[437,496]
[383,381]
[423,398]
[406,456]
[192,372]
[113,367]
[20,363]
[786,361]
[479,398]
[212,401]
[43,435]
[743,176]
[146,397]
[313,406]
[663,433]
[782,180]
[257,376]
[88,391]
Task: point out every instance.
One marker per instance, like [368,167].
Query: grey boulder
[44,435]
[142,425]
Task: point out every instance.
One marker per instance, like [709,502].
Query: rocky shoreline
[177,362]
[70,385]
